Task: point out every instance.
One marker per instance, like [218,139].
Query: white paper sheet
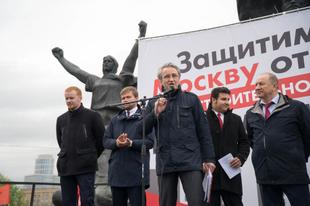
[225,163]
[206,184]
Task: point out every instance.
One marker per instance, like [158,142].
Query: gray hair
[159,75]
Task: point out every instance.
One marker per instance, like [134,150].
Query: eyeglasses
[168,76]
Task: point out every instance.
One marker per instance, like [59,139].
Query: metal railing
[34,186]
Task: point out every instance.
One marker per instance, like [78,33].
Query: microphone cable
[161,170]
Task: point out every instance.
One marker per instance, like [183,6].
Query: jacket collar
[76,111]
[137,115]
[175,93]
[282,104]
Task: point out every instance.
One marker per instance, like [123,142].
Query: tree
[17,196]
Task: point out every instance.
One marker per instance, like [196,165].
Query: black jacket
[230,139]
[79,136]
[125,164]
[280,144]
[183,136]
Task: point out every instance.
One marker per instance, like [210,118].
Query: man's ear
[213,99]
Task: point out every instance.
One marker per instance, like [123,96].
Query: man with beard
[229,136]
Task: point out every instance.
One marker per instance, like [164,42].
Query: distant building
[42,178]
[43,172]
[44,164]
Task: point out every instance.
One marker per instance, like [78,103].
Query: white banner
[233,56]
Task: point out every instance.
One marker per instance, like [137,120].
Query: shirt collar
[216,113]
[275,100]
[132,111]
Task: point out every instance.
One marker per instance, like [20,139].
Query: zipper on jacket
[85,132]
[178,116]
[62,133]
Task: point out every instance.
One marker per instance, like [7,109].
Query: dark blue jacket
[183,136]
[125,164]
[79,136]
[280,144]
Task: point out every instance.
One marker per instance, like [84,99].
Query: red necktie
[267,112]
[220,120]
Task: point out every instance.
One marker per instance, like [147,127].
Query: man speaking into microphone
[184,144]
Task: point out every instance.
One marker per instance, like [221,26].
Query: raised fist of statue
[142,28]
[58,52]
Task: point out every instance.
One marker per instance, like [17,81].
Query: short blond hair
[130,89]
[74,88]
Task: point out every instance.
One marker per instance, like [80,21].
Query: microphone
[165,94]
[168,92]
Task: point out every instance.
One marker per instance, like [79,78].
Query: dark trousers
[69,189]
[229,198]
[120,196]
[272,195]
[192,186]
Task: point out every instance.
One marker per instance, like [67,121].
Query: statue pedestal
[103,195]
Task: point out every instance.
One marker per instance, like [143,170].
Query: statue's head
[109,65]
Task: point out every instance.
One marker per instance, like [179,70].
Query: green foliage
[17,196]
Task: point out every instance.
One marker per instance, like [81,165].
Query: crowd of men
[189,142]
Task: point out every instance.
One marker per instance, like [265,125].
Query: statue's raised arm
[130,63]
[70,67]
[142,28]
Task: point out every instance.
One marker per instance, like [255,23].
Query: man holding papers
[231,149]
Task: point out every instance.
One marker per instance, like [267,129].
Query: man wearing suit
[279,134]
[228,136]
[124,138]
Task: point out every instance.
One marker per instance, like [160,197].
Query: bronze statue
[105,91]
[249,9]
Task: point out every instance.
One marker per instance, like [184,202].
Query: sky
[32,81]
